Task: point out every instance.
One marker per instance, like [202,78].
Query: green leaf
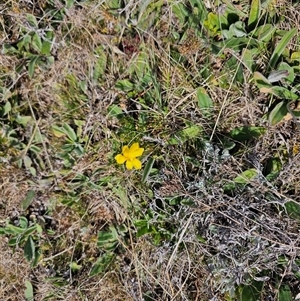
[278,112]
[36,42]
[23,222]
[7,108]
[23,120]
[272,168]
[280,48]
[108,239]
[180,11]
[36,259]
[47,43]
[29,230]
[114,111]
[29,291]
[252,292]
[28,199]
[11,229]
[102,264]
[147,169]
[32,20]
[285,293]
[280,92]
[295,56]
[290,71]
[254,13]
[246,176]
[125,85]
[237,29]
[29,249]
[31,65]
[204,101]
[248,58]
[245,133]
[293,209]
[70,132]
[261,81]
[264,33]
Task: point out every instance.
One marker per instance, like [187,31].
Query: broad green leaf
[32,20]
[280,48]
[285,293]
[11,229]
[284,93]
[28,199]
[295,56]
[278,112]
[47,43]
[264,33]
[147,169]
[7,108]
[272,168]
[30,230]
[293,209]
[114,111]
[29,249]
[245,133]
[260,80]
[70,132]
[36,42]
[58,131]
[9,49]
[204,101]
[102,264]
[237,29]
[252,292]
[23,119]
[27,161]
[23,222]
[29,291]
[254,13]
[248,58]
[290,70]
[108,239]
[246,176]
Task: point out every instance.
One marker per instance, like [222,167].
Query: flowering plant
[129,155]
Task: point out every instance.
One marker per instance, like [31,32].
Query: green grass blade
[147,169]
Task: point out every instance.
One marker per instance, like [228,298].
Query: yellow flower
[129,155]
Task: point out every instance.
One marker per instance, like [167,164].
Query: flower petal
[129,164]
[137,164]
[120,159]
[134,147]
[125,150]
[137,153]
